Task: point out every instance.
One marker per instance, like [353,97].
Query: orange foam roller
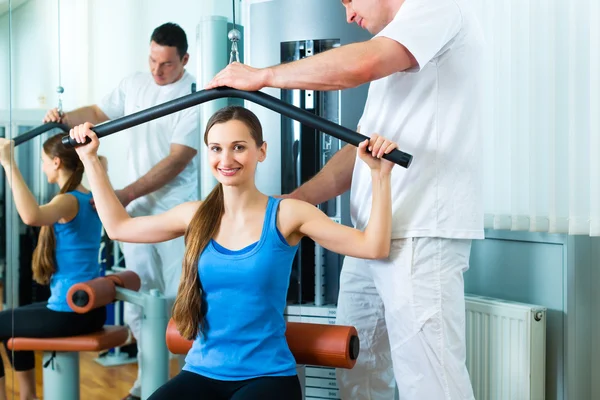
[83,297]
[325,345]
[176,343]
[334,346]
[126,279]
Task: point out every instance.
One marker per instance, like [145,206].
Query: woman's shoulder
[291,210]
[66,206]
[68,197]
[292,205]
[74,197]
[292,214]
[187,210]
[189,206]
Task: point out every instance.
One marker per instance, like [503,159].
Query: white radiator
[506,349]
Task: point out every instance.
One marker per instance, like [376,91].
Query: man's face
[165,64]
[372,15]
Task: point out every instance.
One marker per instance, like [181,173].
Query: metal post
[61,376]
[319,275]
[154,358]
[116,254]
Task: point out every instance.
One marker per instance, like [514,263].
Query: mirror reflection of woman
[66,253]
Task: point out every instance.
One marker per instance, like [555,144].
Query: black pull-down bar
[38,131]
[270,102]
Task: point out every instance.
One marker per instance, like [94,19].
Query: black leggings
[188,385]
[38,321]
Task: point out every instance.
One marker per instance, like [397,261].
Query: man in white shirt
[424,65]
[162,162]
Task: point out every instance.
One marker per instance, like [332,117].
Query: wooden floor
[96,381]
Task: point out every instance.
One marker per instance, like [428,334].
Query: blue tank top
[77,247]
[245,293]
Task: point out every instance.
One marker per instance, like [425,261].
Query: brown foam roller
[85,296]
[323,345]
[175,342]
[126,279]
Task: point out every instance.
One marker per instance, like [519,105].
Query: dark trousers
[38,321]
[188,385]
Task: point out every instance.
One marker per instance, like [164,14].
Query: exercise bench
[61,355]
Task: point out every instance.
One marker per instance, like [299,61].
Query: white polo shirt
[149,143]
[433,112]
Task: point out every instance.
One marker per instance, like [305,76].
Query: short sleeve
[361,121]
[113,104]
[424,27]
[186,130]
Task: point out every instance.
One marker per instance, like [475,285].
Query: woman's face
[50,167]
[233,154]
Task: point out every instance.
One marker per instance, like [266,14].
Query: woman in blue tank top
[66,253]
[240,245]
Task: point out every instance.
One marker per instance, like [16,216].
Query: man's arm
[334,179]
[161,174]
[78,116]
[340,68]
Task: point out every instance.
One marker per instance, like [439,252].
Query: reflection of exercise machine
[126,353]
[61,355]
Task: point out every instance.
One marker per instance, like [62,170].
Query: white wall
[102,41]
[34,54]
[29,25]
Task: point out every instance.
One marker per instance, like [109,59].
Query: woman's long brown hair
[189,309]
[44,261]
